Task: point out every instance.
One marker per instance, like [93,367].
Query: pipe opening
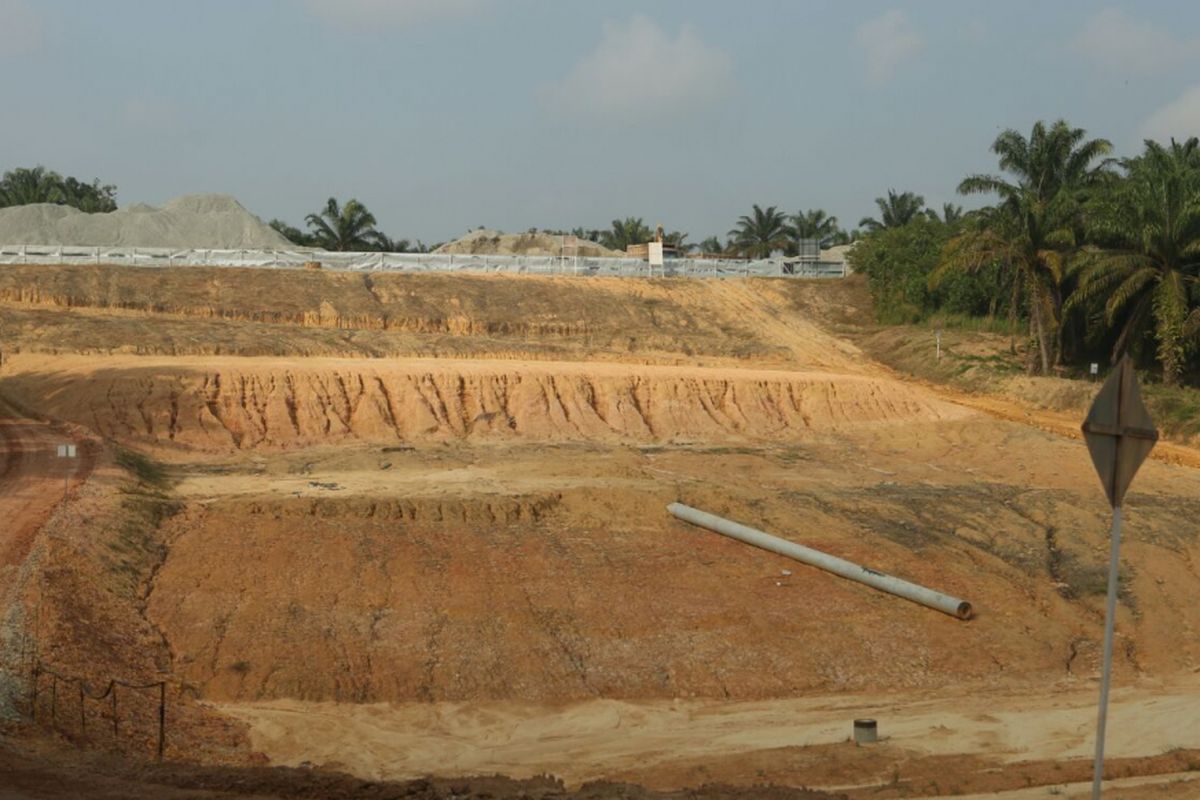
[964,610]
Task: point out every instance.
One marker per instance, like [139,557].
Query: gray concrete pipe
[838,566]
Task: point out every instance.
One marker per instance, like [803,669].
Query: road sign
[1119,431]
[1119,434]
[66,451]
[654,253]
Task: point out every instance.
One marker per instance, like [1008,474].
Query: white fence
[415,262]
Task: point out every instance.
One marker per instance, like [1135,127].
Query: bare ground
[456,558]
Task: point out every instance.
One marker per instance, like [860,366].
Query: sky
[445,115]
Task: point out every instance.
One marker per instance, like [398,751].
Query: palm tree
[761,233]
[846,237]
[631,230]
[24,185]
[951,214]
[895,210]
[386,244]
[1148,227]
[676,239]
[349,227]
[39,185]
[815,224]
[1037,224]
[711,246]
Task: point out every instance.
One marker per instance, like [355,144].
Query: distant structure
[642,251]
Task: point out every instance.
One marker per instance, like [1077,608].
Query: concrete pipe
[866,731]
[838,566]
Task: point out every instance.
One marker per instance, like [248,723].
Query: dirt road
[652,742]
[33,479]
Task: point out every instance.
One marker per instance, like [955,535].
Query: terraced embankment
[245,404]
[447,494]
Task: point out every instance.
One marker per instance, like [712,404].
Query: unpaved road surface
[633,741]
[33,480]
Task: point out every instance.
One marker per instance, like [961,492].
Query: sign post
[654,254]
[68,452]
[1119,435]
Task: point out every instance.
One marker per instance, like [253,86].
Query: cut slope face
[250,403]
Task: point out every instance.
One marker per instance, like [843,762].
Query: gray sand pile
[191,222]
[494,243]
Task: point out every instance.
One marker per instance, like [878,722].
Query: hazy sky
[442,115]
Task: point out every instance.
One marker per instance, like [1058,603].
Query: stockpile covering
[194,221]
[485,242]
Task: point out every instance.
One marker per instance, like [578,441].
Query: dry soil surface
[414,524]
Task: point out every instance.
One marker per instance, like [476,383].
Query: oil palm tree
[761,232]
[386,244]
[678,240]
[814,224]
[26,185]
[348,227]
[895,210]
[951,214]
[711,246]
[624,232]
[1036,226]
[1148,228]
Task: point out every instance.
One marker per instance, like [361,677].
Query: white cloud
[639,71]
[1121,42]
[20,28]
[887,41]
[1179,119]
[371,13]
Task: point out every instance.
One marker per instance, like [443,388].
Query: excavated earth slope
[443,489]
[250,403]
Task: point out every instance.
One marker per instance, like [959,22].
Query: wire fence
[807,267]
[71,706]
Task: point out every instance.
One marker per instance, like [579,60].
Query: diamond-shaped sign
[1119,431]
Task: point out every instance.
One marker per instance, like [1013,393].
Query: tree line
[26,185]
[1092,256]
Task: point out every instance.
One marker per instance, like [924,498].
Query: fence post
[37,673]
[162,718]
[113,689]
[54,698]
[82,713]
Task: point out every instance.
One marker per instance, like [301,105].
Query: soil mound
[493,243]
[199,221]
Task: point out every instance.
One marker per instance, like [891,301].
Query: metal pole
[838,566]
[1110,613]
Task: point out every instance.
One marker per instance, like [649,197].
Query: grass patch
[1175,409]
[147,472]
[135,550]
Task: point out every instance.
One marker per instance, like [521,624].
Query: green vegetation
[23,186]
[146,503]
[898,262]
[624,232]
[895,211]
[349,227]
[761,232]
[1091,257]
